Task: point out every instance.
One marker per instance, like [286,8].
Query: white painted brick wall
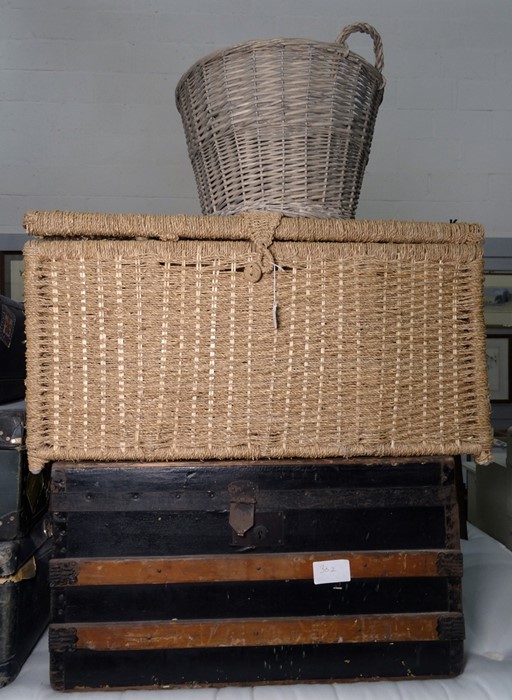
[88,119]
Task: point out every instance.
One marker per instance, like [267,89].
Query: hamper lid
[250,226]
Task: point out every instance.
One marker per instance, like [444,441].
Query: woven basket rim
[239,227]
[280,43]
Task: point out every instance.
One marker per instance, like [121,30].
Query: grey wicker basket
[282,125]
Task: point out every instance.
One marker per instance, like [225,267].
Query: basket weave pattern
[164,349]
[283,125]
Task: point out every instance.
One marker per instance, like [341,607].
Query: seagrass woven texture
[282,125]
[230,339]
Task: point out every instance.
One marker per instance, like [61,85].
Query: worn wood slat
[452,525]
[176,634]
[299,462]
[252,567]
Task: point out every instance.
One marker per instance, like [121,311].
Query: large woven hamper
[282,125]
[174,337]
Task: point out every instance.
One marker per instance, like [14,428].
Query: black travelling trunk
[241,573]
[23,495]
[12,350]
[24,597]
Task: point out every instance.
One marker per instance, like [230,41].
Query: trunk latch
[242,506]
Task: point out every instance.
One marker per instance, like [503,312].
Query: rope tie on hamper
[260,230]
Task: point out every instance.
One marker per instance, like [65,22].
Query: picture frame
[499,367]
[498,299]
[11,274]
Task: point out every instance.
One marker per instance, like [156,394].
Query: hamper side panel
[36,377]
[220,377]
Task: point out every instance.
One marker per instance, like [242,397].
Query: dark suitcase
[24,597]
[23,495]
[12,350]
[219,573]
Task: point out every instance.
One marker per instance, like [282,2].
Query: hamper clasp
[242,506]
[261,229]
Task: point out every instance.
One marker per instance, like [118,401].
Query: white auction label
[334,571]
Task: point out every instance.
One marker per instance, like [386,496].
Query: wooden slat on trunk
[257,632]
[252,567]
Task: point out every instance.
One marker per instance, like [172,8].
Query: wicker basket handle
[364,29]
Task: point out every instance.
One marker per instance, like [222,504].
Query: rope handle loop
[364,28]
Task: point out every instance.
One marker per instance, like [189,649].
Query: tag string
[274,284]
